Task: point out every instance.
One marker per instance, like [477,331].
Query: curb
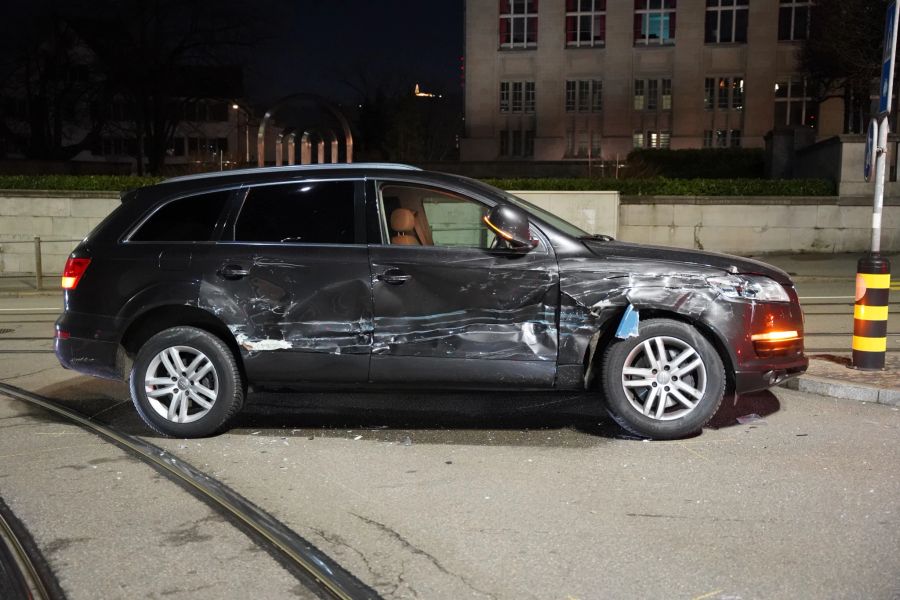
[834,388]
[29,293]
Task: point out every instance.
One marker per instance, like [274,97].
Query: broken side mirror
[510,223]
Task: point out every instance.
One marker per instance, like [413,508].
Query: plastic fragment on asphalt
[628,326]
[751,418]
[407,441]
[359,437]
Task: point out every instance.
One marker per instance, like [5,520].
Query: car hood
[726,262]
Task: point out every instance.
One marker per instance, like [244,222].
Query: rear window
[301,213]
[190,219]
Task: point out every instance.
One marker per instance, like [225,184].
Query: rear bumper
[88,344]
[98,359]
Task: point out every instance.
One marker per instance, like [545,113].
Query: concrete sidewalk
[830,374]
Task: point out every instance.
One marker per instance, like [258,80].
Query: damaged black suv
[367,276]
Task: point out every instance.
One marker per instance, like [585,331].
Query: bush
[661,186]
[706,163]
[92,183]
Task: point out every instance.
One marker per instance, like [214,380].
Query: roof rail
[291,168]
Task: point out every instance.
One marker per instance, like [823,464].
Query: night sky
[315,45]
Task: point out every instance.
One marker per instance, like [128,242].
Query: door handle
[232,272]
[394,277]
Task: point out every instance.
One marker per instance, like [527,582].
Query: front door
[291,281]
[451,308]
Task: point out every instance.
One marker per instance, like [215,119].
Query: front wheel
[185,383]
[666,383]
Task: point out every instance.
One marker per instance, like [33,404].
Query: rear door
[290,278]
[450,308]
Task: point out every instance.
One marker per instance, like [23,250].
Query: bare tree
[843,54]
[51,89]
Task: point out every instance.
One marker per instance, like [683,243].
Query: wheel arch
[606,333]
[148,323]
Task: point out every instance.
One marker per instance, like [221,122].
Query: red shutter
[504,31]
[672,26]
[532,30]
[638,20]
[600,34]
[570,29]
[570,5]
[504,7]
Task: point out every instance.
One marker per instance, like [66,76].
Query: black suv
[385,276]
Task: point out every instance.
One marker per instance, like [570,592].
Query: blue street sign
[887,61]
[871,140]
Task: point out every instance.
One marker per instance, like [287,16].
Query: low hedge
[91,183]
[705,163]
[661,186]
[656,186]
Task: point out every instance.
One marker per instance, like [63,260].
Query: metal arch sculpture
[293,100]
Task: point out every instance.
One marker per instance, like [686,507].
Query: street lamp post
[246,112]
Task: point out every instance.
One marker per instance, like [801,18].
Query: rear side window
[190,219]
[302,213]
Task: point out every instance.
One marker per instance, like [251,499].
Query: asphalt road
[462,496]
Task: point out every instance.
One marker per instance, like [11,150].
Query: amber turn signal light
[72,273]
[774,336]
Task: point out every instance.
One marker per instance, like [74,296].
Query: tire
[186,383]
[663,400]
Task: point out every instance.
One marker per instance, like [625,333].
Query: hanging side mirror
[510,223]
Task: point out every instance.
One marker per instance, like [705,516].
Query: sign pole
[873,271]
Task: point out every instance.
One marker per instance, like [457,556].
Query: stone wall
[59,218]
[757,225]
[724,224]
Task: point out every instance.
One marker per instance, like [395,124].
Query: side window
[191,219]
[319,212]
[420,216]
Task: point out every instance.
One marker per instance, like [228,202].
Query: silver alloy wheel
[664,378]
[181,384]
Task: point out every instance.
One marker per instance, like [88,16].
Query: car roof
[299,169]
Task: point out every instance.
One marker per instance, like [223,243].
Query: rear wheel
[667,383]
[185,383]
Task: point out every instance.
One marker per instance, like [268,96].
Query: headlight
[749,287]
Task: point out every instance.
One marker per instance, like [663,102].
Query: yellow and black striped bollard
[870,315]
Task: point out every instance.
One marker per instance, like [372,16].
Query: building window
[518,23]
[585,23]
[726,21]
[647,94]
[582,143]
[517,96]
[584,95]
[722,138]
[516,143]
[638,139]
[654,22]
[529,96]
[794,105]
[793,20]
[652,139]
[724,93]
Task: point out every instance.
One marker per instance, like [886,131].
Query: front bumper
[765,376]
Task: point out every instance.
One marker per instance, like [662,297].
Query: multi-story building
[561,79]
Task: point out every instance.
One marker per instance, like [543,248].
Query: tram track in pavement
[24,572]
[313,568]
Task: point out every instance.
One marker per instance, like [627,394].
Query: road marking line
[709,595]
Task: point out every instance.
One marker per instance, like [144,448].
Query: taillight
[75,268]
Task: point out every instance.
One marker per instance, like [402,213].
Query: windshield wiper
[602,237]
